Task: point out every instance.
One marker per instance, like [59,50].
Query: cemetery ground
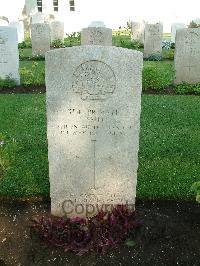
[168,165]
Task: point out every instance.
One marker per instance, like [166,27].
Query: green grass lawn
[32,73]
[169,146]
[26,52]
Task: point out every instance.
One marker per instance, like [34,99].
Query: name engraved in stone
[94,80]
[94,121]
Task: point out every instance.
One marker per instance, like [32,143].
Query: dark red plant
[80,235]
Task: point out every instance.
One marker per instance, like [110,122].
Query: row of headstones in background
[138,30]
[150,35]
[187,53]
[9,55]
[42,34]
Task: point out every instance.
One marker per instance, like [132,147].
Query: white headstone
[93,117]
[40,38]
[9,55]
[31,7]
[174,28]
[96,36]
[57,30]
[19,25]
[153,39]
[37,18]
[187,56]
[137,31]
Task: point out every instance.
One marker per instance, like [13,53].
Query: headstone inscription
[96,35]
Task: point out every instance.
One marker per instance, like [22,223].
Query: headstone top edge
[189,29]
[95,48]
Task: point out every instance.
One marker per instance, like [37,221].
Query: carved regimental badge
[94,80]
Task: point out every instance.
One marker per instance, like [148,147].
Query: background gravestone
[96,35]
[40,38]
[57,30]
[187,55]
[9,55]
[93,117]
[137,31]
[19,25]
[153,39]
[174,28]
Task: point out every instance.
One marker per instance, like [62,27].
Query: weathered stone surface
[19,25]
[187,55]
[37,18]
[9,55]
[93,117]
[96,36]
[40,38]
[174,28]
[137,31]
[57,30]
[153,39]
